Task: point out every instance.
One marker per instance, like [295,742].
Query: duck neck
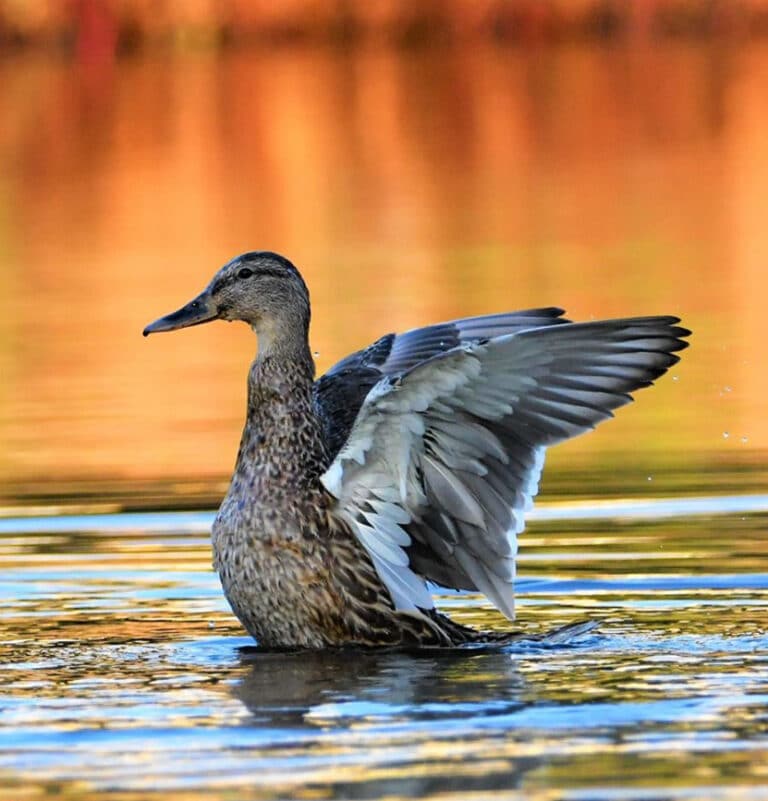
[281,376]
[282,446]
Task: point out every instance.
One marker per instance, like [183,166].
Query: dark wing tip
[539,311]
[663,327]
[554,313]
[679,333]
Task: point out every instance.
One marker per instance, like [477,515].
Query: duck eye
[244,273]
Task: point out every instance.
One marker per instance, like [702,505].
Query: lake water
[410,186]
[124,675]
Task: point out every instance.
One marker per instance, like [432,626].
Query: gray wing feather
[456,444]
[340,393]
[416,346]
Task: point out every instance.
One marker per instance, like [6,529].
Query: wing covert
[339,394]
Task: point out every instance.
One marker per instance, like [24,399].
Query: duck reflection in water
[411,461]
[300,687]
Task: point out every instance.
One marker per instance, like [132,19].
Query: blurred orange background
[472,158]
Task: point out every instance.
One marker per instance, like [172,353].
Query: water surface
[410,186]
[125,675]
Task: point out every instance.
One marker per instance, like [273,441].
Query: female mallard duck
[411,461]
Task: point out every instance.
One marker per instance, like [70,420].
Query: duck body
[411,461]
[291,569]
[272,564]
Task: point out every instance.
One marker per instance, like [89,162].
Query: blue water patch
[200,522]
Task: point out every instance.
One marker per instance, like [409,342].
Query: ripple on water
[123,672]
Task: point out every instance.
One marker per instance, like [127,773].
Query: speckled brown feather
[292,571]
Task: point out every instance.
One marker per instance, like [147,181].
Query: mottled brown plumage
[292,571]
[326,535]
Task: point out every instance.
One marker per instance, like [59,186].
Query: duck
[409,465]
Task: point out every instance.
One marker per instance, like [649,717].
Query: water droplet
[316,353]
[650,478]
[727,389]
[726,435]
[675,377]
[211,624]
[745,439]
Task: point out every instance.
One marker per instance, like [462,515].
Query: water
[124,675]
[410,185]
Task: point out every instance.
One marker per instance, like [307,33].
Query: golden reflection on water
[653,701]
[409,186]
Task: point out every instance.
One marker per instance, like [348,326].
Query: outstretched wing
[443,459]
[340,393]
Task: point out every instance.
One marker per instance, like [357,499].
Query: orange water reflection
[410,186]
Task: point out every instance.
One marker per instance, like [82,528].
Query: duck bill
[196,312]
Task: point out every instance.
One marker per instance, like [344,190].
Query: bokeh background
[417,161]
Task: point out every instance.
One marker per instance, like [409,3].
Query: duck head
[260,288]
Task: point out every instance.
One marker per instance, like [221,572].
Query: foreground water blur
[410,186]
